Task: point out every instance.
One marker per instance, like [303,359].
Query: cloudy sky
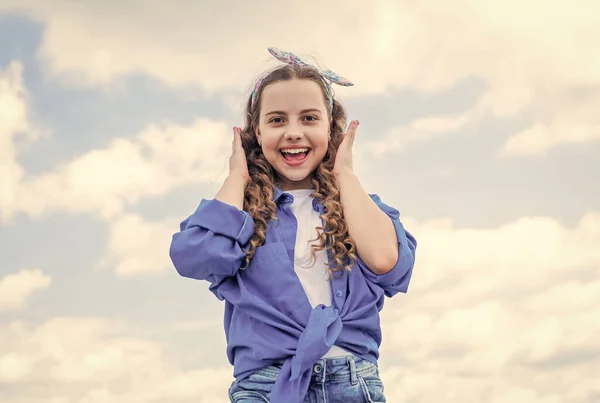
[479,122]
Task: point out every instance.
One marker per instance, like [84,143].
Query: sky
[479,123]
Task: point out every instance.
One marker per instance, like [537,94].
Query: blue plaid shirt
[268,318]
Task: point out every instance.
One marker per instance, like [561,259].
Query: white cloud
[14,124]
[517,48]
[13,367]
[405,44]
[520,51]
[137,247]
[401,137]
[541,244]
[158,159]
[104,181]
[495,314]
[85,360]
[178,57]
[572,120]
[15,290]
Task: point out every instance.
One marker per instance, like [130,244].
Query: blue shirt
[268,318]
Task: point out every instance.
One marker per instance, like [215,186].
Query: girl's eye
[278,120]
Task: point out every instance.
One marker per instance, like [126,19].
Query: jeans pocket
[256,388]
[372,388]
[248,396]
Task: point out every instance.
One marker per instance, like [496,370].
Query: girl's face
[293,130]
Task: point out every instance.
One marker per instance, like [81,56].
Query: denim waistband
[330,369]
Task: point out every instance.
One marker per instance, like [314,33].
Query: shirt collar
[281,197]
[277,194]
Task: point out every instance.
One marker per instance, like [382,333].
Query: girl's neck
[287,185]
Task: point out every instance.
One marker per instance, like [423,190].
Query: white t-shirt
[313,273]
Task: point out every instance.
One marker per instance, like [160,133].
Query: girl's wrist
[238,178]
[342,174]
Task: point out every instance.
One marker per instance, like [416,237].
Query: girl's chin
[295,179]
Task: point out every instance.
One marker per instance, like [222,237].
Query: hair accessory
[290,58]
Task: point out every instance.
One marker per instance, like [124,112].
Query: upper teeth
[294,150]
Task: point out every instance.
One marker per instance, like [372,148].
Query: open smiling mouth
[295,156]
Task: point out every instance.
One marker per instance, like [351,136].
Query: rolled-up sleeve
[211,241]
[397,279]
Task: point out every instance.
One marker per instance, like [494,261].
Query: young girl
[301,254]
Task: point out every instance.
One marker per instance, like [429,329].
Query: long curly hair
[333,236]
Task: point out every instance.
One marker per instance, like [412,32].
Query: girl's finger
[236,138]
[351,132]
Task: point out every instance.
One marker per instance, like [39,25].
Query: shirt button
[339,293]
[317,369]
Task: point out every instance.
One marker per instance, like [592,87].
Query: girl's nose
[294,134]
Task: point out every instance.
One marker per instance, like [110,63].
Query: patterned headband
[290,58]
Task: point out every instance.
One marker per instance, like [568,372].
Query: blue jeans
[333,380]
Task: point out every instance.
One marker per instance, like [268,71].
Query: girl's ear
[257,132]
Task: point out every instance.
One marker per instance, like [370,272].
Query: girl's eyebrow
[301,112]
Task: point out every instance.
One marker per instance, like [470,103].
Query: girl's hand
[343,159]
[238,165]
